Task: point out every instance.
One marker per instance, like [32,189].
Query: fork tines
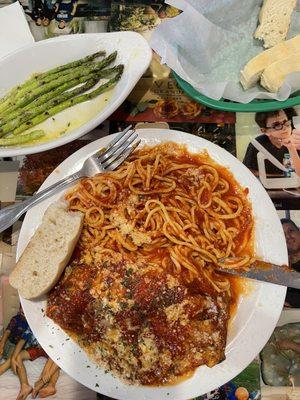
[118,149]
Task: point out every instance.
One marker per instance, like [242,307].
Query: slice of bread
[274,21]
[48,251]
[252,71]
[274,75]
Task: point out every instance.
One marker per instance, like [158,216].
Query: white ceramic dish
[133,51]
[257,313]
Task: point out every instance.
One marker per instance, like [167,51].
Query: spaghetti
[141,295]
[173,208]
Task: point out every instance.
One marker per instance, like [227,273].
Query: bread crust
[274,21]
[253,70]
[275,74]
[48,251]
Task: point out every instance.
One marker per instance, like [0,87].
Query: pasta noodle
[169,206]
[142,295]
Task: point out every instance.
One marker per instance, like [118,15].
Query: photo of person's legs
[45,385]
[25,388]
[5,366]
[42,379]
[50,388]
[8,352]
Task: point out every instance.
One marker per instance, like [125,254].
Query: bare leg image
[25,389]
[45,386]
[43,379]
[50,389]
[4,366]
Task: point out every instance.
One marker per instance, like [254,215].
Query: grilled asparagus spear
[10,126]
[44,98]
[50,73]
[66,104]
[51,99]
[28,137]
[11,105]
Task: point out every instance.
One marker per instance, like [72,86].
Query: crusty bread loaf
[48,251]
[252,71]
[274,21]
[274,75]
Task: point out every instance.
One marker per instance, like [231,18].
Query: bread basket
[258,105]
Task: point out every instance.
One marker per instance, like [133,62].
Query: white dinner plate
[133,52]
[257,313]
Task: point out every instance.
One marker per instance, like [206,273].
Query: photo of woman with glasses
[279,138]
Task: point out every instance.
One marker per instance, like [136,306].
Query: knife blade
[267,272]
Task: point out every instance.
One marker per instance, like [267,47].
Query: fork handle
[9,215]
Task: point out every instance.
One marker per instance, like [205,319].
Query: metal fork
[104,160]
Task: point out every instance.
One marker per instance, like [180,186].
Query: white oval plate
[133,51]
[257,313]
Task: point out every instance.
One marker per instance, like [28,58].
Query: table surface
[141,107]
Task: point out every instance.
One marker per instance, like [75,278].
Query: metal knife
[271,273]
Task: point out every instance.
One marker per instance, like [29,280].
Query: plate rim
[171,392]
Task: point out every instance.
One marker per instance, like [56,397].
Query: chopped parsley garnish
[129,271]
[123,305]
[128,295]
[126,281]
[134,350]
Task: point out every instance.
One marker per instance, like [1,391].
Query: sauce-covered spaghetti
[151,306]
